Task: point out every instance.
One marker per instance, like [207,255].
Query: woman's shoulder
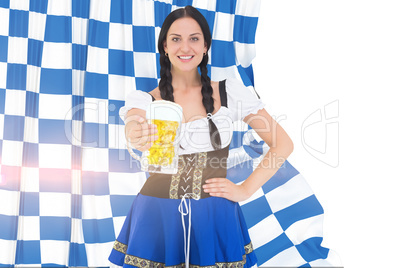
[156,93]
[137,99]
[231,83]
[233,86]
[237,89]
[215,89]
[214,84]
[242,100]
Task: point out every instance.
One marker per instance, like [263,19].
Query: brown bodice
[193,170]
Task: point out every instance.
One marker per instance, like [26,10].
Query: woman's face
[185,44]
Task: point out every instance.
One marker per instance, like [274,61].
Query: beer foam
[164,110]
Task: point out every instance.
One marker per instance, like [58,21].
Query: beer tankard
[162,156]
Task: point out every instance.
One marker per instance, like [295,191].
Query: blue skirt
[153,236]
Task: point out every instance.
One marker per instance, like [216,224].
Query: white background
[347,55]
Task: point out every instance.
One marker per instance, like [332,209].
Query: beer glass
[162,156]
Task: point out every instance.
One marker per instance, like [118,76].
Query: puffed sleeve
[242,100]
[135,99]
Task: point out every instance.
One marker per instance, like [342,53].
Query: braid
[208,102]
[206,90]
[165,84]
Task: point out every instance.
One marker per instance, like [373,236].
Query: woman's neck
[185,80]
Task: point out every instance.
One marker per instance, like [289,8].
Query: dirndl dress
[174,223]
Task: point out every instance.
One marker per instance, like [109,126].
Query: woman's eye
[194,38]
[175,39]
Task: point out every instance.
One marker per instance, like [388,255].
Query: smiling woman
[197,203]
[187,49]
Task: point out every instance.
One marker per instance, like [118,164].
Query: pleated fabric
[153,234]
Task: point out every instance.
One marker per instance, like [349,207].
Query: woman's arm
[281,146]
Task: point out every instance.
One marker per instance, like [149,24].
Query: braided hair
[165,83]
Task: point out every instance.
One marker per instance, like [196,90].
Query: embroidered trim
[174,184]
[197,178]
[144,263]
[120,247]
[248,248]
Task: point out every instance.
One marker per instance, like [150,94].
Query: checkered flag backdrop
[67,181]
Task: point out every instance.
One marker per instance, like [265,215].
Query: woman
[214,230]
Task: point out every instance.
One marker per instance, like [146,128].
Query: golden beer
[162,156]
[163,150]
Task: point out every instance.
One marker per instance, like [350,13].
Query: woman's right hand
[139,134]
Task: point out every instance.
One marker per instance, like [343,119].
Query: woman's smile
[185,58]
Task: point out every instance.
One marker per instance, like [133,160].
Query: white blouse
[194,135]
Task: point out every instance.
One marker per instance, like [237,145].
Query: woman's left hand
[222,187]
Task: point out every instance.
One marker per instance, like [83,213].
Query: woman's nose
[185,46]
